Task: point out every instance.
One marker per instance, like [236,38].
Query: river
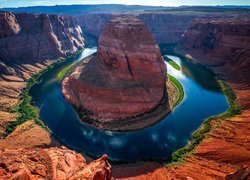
[203,98]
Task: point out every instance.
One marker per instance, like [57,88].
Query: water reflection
[202,99]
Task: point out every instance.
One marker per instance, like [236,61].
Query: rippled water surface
[203,98]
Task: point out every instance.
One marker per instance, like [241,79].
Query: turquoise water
[203,98]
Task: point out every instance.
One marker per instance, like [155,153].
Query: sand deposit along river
[203,98]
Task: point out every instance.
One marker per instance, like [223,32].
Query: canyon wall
[28,43]
[30,38]
[221,43]
[166,28]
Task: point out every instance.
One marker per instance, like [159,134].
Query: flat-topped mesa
[124,86]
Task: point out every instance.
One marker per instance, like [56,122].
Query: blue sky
[22,3]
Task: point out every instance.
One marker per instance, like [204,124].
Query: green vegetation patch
[234,107]
[198,135]
[24,110]
[172,63]
[64,71]
[179,87]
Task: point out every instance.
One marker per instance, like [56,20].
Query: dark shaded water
[203,98]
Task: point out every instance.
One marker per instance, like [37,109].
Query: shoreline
[132,123]
[163,161]
[141,121]
[24,104]
[199,134]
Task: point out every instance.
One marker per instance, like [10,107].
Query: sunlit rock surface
[51,163]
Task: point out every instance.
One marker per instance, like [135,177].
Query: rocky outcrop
[123,87]
[165,27]
[51,163]
[28,43]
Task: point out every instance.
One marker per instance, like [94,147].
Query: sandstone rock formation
[218,42]
[51,163]
[28,43]
[223,45]
[30,39]
[120,87]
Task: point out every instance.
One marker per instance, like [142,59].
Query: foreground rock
[52,163]
[28,43]
[123,88]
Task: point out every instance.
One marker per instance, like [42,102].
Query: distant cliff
[30,38]
[166,28]
[222,43]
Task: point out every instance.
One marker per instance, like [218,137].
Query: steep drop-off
[120,86]
[222,44]
[28,43]
[166,28]
[30,39]
[223,154]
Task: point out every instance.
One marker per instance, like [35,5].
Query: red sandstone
[52,163]
[126,79]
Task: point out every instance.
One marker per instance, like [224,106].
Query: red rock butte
[123,87]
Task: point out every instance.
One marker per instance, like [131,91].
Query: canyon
[221,44]
[118,89]
[29,43]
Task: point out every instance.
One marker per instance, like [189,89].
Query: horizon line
[126,5]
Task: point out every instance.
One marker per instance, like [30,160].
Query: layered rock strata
[124,85]
[51,163]
[30,39]
[28,43]
[222,44]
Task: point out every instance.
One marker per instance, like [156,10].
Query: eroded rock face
[28,43]
[223,43]
[51,163]
[30,38]
[125,80]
